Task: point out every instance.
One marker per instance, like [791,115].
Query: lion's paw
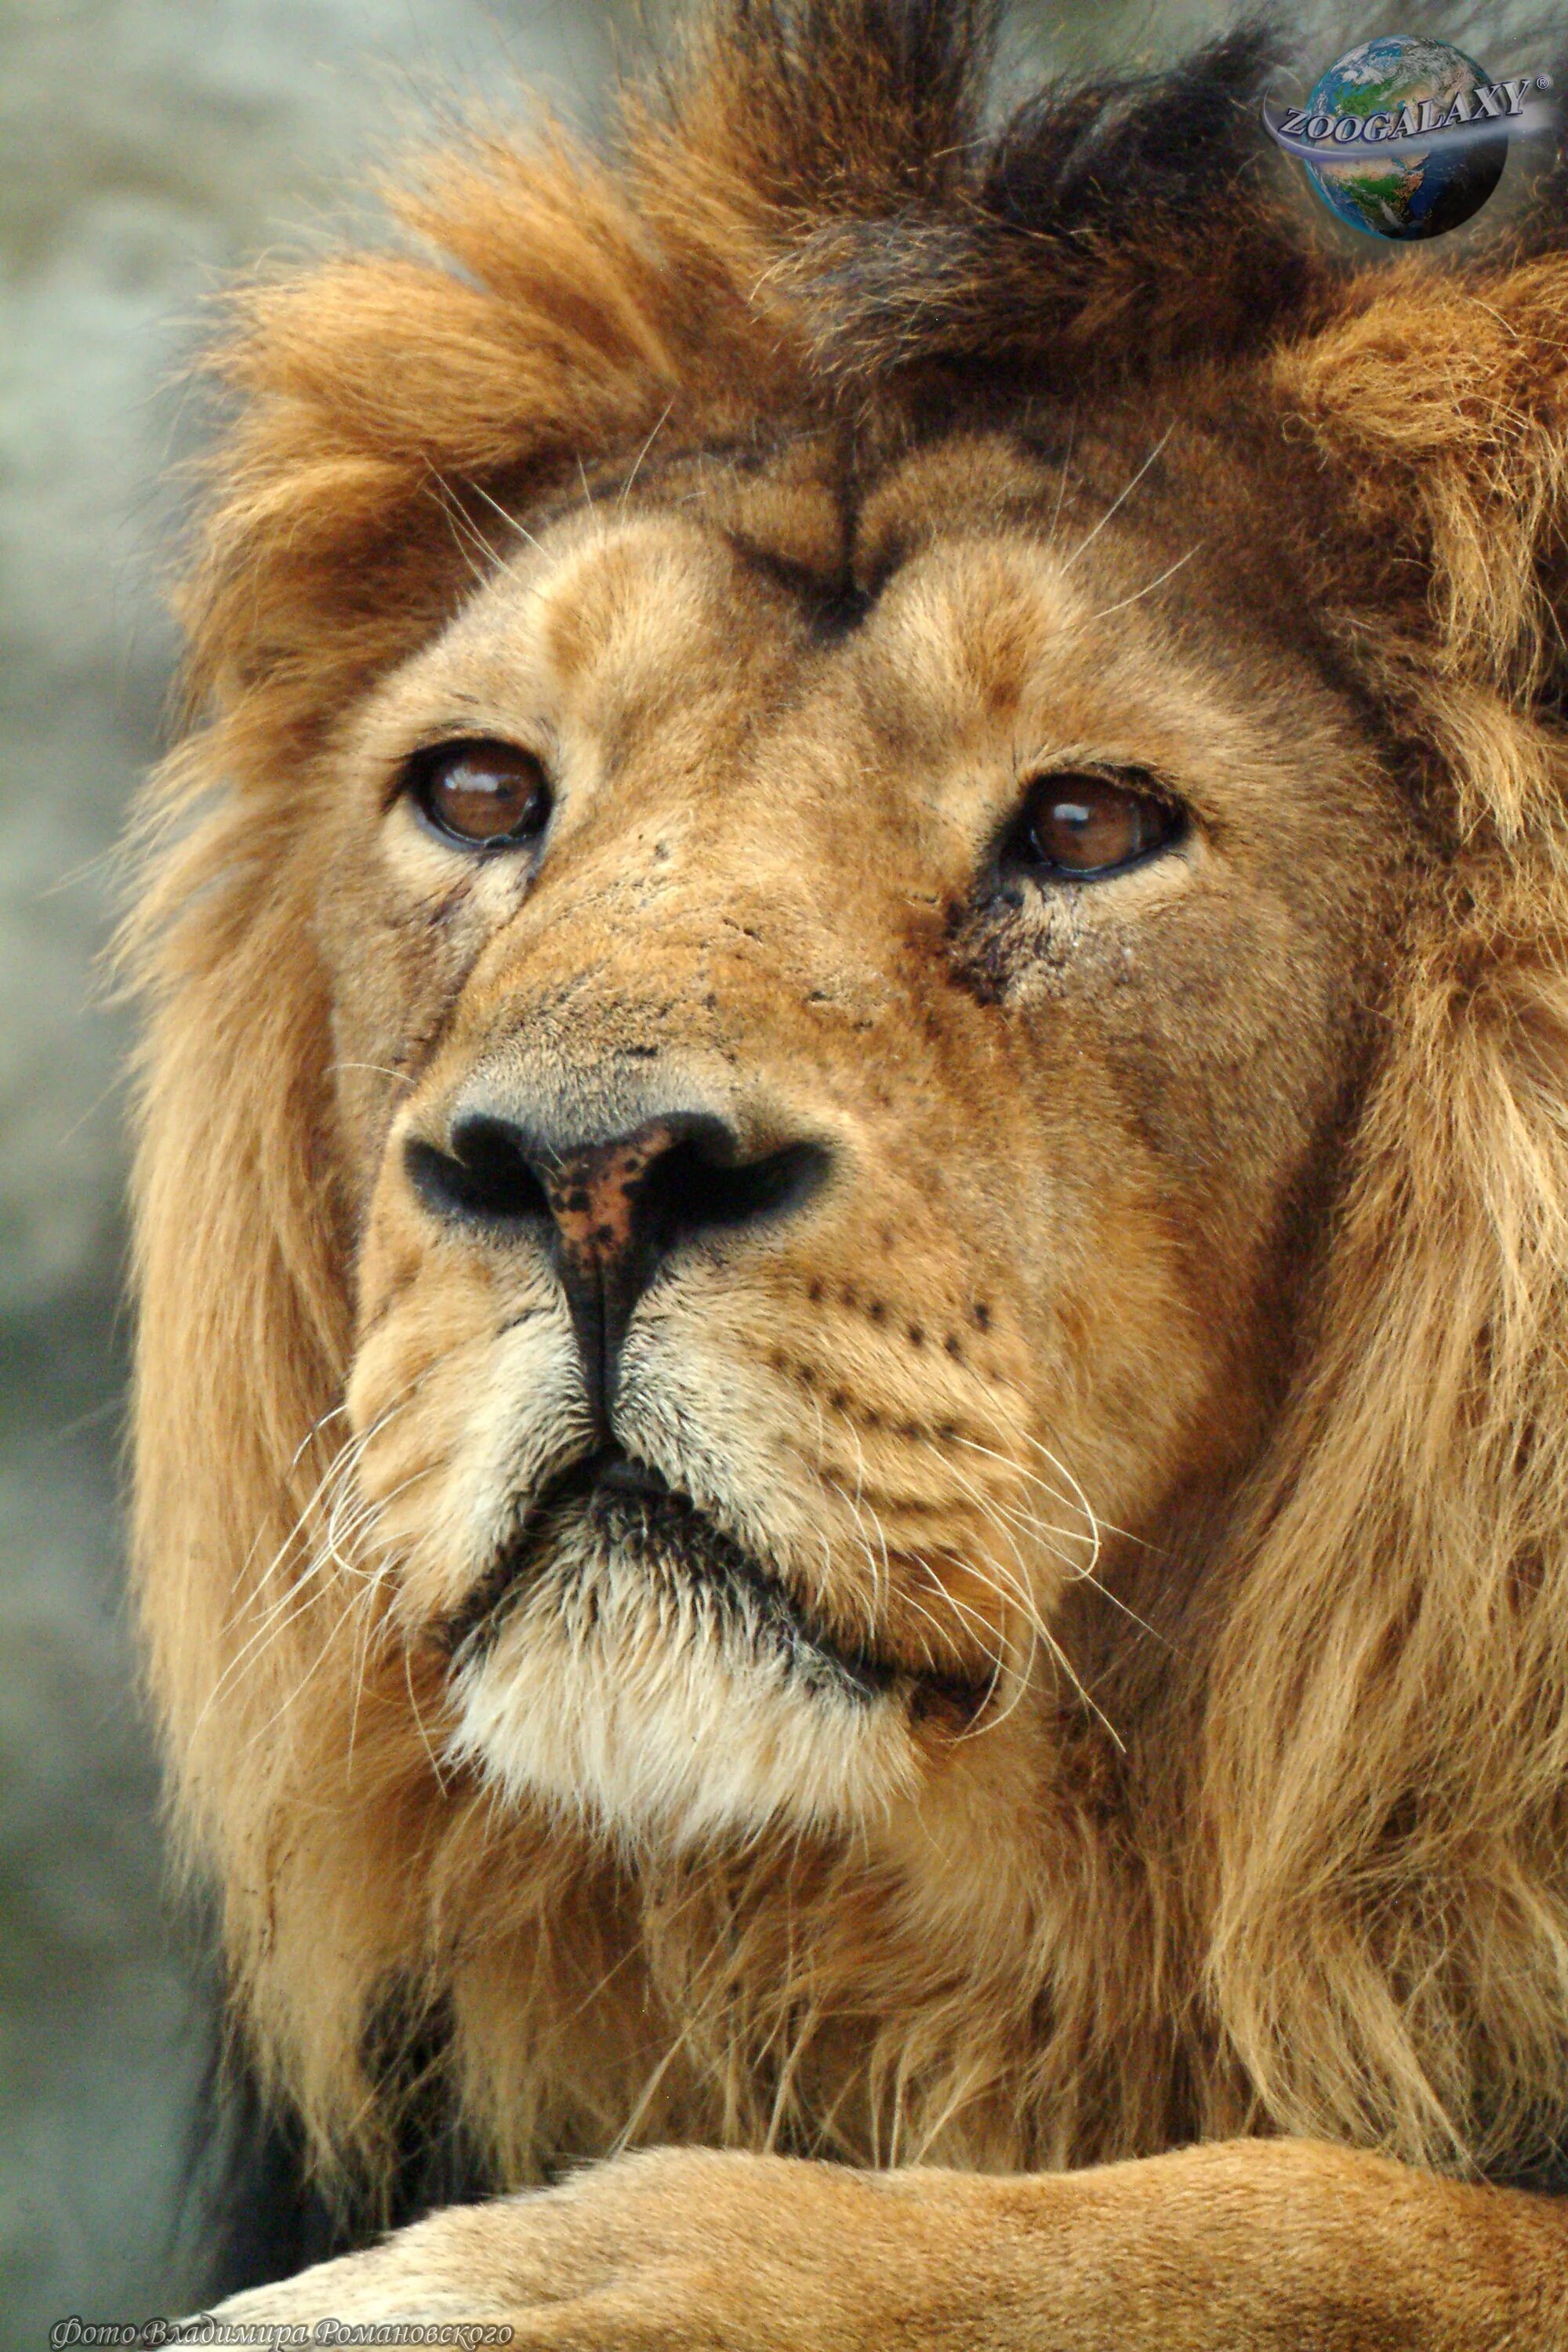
[661,2252]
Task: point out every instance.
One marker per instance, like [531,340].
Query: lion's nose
[613,1209]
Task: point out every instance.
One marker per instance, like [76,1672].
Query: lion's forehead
[928,603]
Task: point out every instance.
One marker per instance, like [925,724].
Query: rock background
[145,147]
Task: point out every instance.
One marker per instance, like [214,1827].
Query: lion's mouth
[630,1515]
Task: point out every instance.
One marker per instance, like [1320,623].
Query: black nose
[612,1209]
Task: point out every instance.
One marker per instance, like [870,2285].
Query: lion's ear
[1438,406]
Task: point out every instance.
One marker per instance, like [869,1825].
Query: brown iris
[486,794]
[1087,824]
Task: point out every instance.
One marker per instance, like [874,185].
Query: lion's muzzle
[610,1209]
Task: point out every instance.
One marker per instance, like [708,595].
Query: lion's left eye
[1087,825]
[486,794]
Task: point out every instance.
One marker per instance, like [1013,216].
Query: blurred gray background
[146,147]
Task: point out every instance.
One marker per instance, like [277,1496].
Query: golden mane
[1343,1908]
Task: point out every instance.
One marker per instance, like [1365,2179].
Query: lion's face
[831,1172]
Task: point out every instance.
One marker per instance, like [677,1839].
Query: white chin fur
[639,1696]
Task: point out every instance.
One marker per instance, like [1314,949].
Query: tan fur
[692,2248]
[1167,1392]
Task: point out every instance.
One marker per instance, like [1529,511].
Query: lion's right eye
[485,794]
[1085,827]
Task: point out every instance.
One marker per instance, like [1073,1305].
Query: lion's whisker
[457,524]
[627,485]
[377,1069]
[1022,1470]
[1045,1631]
[1149,587]
[280,1614]
[1082,1572]
[1120,500]
[1062,480]
[419,1719]
[879,1588]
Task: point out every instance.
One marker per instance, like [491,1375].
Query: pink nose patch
[593,1195]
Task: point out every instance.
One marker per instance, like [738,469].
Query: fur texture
[1241,1432]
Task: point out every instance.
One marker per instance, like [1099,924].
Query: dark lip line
[863,1674]
[484,1604]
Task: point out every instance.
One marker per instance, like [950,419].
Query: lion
[852,1223]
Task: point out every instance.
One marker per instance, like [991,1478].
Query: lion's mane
[1337,1902]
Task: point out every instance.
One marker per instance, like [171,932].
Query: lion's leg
[1245,2246]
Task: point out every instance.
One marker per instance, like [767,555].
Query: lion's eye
[485,794]
[1082,825]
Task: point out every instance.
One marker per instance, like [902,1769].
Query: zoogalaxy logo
[1406,138]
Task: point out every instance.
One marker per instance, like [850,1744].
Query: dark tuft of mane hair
[1099,230]
[1099,227]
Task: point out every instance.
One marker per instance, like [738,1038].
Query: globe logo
[1408,137]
